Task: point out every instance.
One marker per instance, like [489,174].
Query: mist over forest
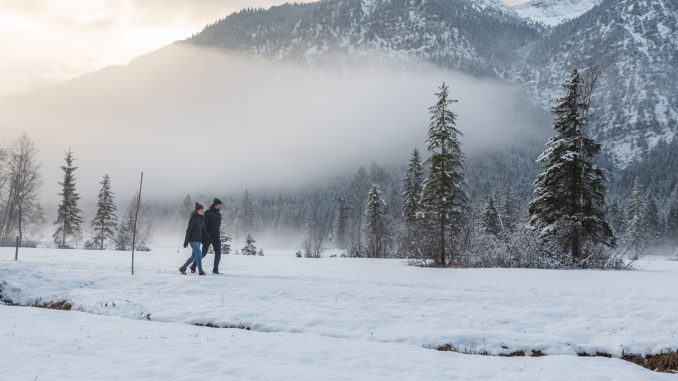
[210,123]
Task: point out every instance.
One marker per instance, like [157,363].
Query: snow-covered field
[330,318]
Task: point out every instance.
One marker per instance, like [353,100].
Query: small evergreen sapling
[249,248]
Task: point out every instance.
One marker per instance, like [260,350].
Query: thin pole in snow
[16,253]
[136,216]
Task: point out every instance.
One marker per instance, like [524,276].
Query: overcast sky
[48,41]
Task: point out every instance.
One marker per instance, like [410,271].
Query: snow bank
[58,345]
[476,310]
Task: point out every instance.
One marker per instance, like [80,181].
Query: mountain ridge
[633,41]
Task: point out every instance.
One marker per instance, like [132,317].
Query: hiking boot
[182,270]
[193,269]
[202,273]
[215,271]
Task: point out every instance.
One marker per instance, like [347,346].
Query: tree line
[22,215]
[422,211]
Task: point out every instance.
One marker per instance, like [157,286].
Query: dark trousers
[216,244]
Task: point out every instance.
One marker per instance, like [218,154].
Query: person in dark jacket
[212,225]
[195,233]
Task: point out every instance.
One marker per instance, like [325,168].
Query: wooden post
[16,253]
[136,216]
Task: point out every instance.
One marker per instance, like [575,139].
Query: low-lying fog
[206,122]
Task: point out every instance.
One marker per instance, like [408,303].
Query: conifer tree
[509,211]
[105,221]
[654,225]
[491,221]
[342,225]
[443,198]
[245,218]
[637,237]
[187,206]
[375,213]
[358,187]
[412,183]
[69,218]
[249,248]
[123,237]
[225,241]
[672,218]
[617,219]
[412,240]
[569,202]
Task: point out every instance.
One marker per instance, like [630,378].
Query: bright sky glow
[48,41]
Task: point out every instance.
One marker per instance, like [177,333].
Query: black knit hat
[217,202]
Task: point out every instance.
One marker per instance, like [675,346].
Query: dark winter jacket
[212,222]
[196,231]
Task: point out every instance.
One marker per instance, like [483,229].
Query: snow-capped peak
[554,12]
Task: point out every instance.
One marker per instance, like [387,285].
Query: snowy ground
[329,318]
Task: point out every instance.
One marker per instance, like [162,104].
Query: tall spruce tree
[569,203]
[443,198]
[637,234]
[376,217]
[106,219]
[491,221]
[69,219]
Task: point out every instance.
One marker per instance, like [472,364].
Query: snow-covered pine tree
[69,219]
[123,237]
[410,241]
[509,211]
[491,221]
[106,220]
[249,248]
[244,221]
[342,224]
[358,187]
[443,198]
[637,238]
[225,241]
[654,224]
[376,219]
[187,206]
[569,203]
[672,218]
[278,225]
[412,183]
[617,219]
